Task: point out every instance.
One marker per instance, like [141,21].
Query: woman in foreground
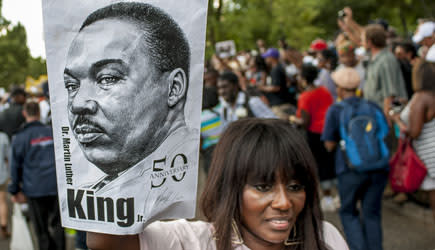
[261,193]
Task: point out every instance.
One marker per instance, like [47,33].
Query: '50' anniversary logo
[177,170]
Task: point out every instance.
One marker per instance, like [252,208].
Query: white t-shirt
[181,234]
[430,56]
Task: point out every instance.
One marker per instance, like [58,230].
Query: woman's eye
[263,187]
[295,187]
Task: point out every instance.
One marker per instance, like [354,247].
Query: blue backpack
[363,128]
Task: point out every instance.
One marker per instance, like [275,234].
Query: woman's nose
[281,199]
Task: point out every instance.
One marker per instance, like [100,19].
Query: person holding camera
[350,28]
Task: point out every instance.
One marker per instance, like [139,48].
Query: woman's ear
[177,86]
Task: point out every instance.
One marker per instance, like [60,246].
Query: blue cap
[272,52]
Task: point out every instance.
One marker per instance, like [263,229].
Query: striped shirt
[211,127]
[424,145]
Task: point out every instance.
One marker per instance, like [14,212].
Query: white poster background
[62,20]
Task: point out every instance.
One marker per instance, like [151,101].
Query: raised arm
[99,241]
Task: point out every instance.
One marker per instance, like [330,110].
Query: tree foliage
[245,21]
[301,21]
[400,14]
[36,67]
[14,56]
[16,63]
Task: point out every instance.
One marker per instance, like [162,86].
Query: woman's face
[269,211]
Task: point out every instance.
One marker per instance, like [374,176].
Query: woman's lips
[279,224]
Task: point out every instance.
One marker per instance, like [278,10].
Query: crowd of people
[366,70]
[27,168]
[268,179]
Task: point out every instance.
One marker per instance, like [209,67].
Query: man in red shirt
[313,104]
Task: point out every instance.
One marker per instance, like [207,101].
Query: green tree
[301,21]
[14,55]
[403,14]
[36,67]
[400,14]
[245,21]
[293,21]
[16,63]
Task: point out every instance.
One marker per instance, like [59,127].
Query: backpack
[363,128]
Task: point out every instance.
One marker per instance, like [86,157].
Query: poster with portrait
[225,49]
[125,81]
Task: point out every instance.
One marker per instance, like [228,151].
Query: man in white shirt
[236,104]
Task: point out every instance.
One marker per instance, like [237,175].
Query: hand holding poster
[226,49]
[125,86]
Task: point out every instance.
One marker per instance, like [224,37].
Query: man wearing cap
[12,118]
[318,45]
[276,90]
[361,232]
[425,36]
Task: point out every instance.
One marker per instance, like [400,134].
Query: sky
[29,14]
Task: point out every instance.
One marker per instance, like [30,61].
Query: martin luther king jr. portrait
[127,78]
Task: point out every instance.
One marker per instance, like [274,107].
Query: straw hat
[347,78]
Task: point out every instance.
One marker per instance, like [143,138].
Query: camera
[396,107]
[341,14]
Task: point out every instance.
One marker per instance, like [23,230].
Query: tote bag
[21,239]
[407,171]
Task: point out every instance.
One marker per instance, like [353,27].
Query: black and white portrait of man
[127,75]
[125,90]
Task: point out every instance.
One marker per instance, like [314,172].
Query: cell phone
[396,103]
[396,106]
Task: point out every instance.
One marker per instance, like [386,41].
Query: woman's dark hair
[309,73]
[422,76]
[260,148]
